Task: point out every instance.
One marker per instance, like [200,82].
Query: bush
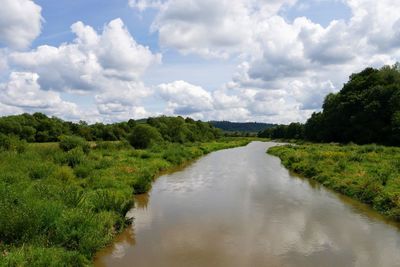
[142,184]
[39,256]
[12,143]
[85,231]
[41,170]
[108,200]
[176,154]
[74,157]
[69,142]
[143,136]
[64,173]
[83,170]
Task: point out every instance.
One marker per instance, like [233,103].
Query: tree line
[365,110]
[241,127]
[38,127]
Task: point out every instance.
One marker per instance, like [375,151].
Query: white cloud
[22,92]
[233,103]
[107,66]
[20,23]
[212,28]
[91,62]
[184,98]
[145,4]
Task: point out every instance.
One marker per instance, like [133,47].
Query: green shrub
[69,142]
[83,170]
[143,136]
[142,184]
[30,256]
[64,173]
[107,200]
[74,157]
[41,170]
[104,163]
[12,143]
[85,231]
[176,154]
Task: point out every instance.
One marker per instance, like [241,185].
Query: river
[241,207]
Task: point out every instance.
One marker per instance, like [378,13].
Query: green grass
[368,173]
[59,207]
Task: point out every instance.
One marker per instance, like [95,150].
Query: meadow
[60,203]
[368,173]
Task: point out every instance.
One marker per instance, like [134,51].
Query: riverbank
[58,208]
[368,173]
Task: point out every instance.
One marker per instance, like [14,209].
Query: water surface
[241,207]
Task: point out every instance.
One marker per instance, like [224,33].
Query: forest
[241,127]
[366,110]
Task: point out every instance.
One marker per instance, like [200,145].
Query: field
[369,173]
[59,207]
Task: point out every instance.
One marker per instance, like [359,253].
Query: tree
[364,111]
[143,136]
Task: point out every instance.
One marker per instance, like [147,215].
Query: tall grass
[369,173]
[60,203]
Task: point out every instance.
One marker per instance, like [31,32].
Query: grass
[368,173]
[59,206]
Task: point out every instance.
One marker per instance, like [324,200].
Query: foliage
[291,131]
[40,128]
[12,143]
[180,130]
[68,143]
[143,136]
[369,173]
[366,110]
[241,127]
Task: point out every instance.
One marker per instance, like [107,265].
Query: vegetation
[294,130]
[369,173]
[366,110]
[40,128]
[241,127]
[143,136]
[61,202]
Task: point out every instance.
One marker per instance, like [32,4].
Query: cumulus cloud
[20,23]
[91,62]
[184,98]
[208,27]
[106,66]
[233,103]
[22,92]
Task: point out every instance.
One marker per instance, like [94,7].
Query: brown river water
[241,207]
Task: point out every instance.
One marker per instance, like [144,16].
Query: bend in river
[241,207]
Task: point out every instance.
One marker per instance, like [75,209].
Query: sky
[239,60]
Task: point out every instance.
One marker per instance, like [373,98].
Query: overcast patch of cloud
[20,23]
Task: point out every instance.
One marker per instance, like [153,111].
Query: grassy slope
[58,208]
[369,173]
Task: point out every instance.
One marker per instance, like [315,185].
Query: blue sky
[241,60]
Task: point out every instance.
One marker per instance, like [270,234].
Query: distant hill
[252,127]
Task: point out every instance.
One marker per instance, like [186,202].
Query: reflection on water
[240,207]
